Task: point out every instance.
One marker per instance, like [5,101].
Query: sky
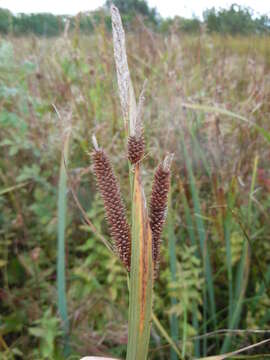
[167,8]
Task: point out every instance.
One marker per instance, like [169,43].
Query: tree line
[235,20]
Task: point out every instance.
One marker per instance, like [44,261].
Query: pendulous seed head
[158,207]
[114,207]
[135,148]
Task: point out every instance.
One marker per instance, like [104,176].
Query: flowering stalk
[115,210]
[135,149]
[158,206]
[139,252]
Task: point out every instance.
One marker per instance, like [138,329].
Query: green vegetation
[236,20]
[130,9]
[233,21]
[208,102]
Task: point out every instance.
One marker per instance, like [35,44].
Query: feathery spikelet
[135,148]
[158,207]
[115,210]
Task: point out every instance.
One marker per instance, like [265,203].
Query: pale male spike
[167,162]
[95,143]
[120,56]
[139,115]
[126,92]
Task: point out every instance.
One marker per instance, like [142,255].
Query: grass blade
[141,277]
[201,153]
[12,188]
[166,335]
[185,321]
[243,270]
[172,259]
[231,354]
[61,265]
[227,236]
[192,237]
[213,109]
[201,233]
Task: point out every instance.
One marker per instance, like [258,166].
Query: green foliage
[86,24]
[189,282]
[235,20]
[37,24]
[5,21]
[47,330]
[179,24]
[130,8]
[191,26]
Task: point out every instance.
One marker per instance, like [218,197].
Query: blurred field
[215,268]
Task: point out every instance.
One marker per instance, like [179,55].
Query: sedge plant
[138,245]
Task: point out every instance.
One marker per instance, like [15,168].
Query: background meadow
[208,102]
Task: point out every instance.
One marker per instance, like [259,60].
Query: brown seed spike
[115,210]
[158,207]
[135,149]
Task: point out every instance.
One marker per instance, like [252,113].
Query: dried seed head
[115,210]
[135,149]
[158,207]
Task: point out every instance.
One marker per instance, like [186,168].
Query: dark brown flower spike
[158,206]
[135,149]
[114,207]
[136,139]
